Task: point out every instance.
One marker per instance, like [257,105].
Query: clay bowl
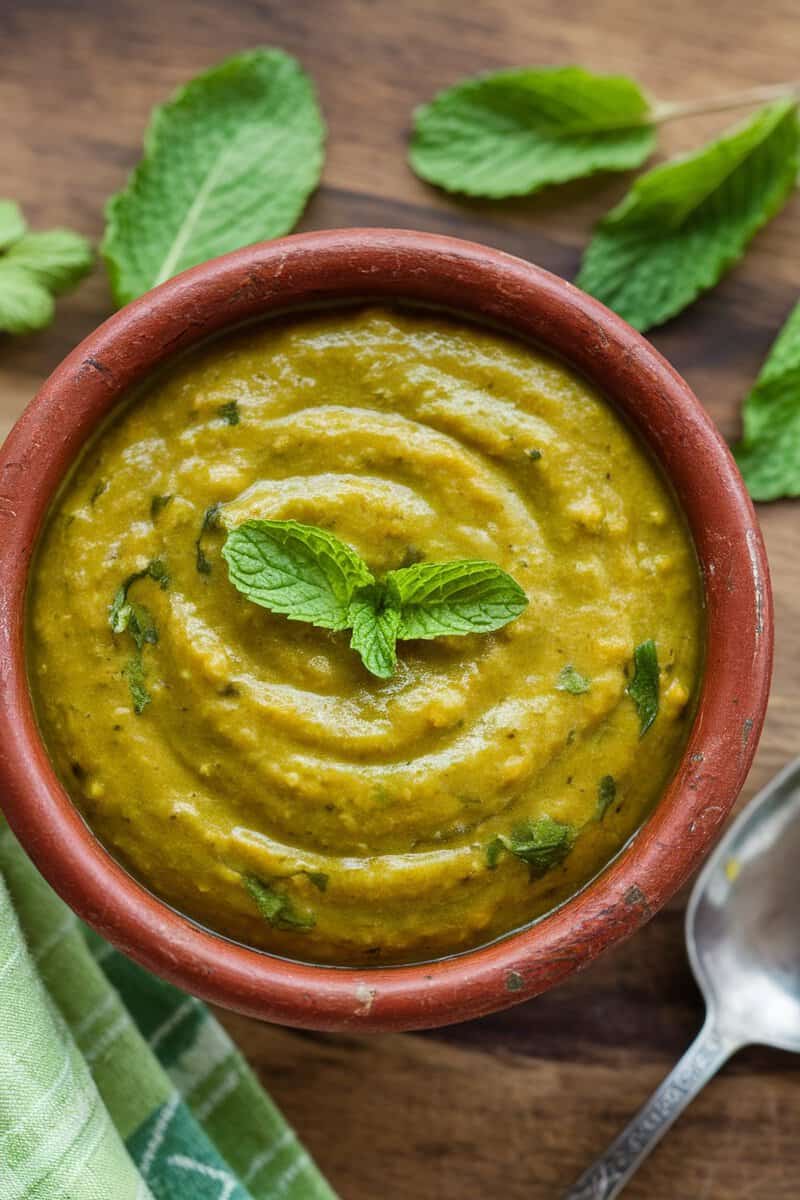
[320,268]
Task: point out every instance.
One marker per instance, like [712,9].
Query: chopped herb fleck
[643,689]
[134,673]
[275,907]
[127,616]
[97,491]
[158,504]
[606,794]
[542,843]
[210,521]
[571,680]
[230,412]
[319,879]
[533,454]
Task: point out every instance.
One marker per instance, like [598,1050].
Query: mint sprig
[35,267]
[307,574]
[231,159]
[511,133]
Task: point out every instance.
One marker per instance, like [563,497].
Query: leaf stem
[692,108]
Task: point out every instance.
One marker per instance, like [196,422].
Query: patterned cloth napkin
[114,1085]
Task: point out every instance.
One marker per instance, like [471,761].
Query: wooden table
[515,1104]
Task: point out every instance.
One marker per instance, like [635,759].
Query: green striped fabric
[115,1085]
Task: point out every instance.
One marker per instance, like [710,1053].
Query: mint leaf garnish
[229,412]
[644,687]
[307,574]
[34,267]
[276,907]
[683,224]
[135,675]
[769,452]
[375,620]
[542,843]
[298,570]
[570,680]
[513,132]
[466,596]
[230,159]
[606,794]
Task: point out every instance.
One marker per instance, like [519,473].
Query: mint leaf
[275,907]
[466,596]
[25,304]
[644,687]
[769,452]
[229,412]
[230,159]
[298,570]
[542,843]
[683,224]
[606,794]
[375,620]
[571,680]
[56,259]
[513,132]
[12,223]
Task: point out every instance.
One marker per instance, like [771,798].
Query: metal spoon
[743,937]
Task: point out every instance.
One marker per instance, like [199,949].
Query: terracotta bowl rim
[388,265]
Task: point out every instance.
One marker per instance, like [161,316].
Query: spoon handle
[608,1174]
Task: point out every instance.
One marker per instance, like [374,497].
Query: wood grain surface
[513,1105]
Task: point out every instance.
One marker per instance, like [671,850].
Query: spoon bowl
[743,938]
[743,921]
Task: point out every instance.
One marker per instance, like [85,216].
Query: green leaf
[57,259]
[275,907]
[319,880]
[231,159]
[513,132]
[644,687]
[12,223]
[229,412]
[25,305]
[606,794]
[303,572]
[210,521]
[375,620]
[542,843]
[769,452]
[462,597]
[571,680]
[683,224]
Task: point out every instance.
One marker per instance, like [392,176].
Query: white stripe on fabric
[267,1156]
[210,1047]
[50,943]
[40,1101]
[191,1164]
[226,1085]
[13,959]
[157,1136]
[285,1181]
[172,1022]
[94,1015]
[113,1032]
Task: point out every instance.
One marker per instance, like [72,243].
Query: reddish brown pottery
[386,265]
